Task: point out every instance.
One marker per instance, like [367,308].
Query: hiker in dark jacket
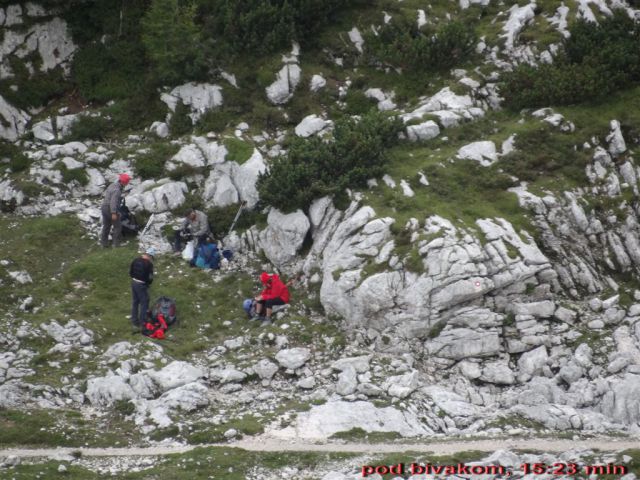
[141,273]
[275,293]
[110,215]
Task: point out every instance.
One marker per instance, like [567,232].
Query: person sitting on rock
[195,225]
[275,293]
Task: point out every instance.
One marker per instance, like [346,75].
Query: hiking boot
[266,322]
[256,318]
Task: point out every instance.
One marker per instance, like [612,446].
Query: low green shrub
[89,127]
[180,123]
[313,168]
[17,160]
[221,218]
[598,59]
[238,151]
[151,164]
[402,44]
[77,174]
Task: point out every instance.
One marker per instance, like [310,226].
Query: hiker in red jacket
[275,293]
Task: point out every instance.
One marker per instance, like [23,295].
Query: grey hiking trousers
[107,223]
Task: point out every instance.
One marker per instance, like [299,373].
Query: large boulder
[288,78]
[105,391]
[157,197]
[461,343]
[293,358]
[176,374]
[199,97]
[284,236]
[323,421]
[13,121]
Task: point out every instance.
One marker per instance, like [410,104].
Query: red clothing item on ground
[276,290]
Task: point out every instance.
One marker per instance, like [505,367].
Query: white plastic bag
[187,253]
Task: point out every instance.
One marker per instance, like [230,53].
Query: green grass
[63,428]
[238,150]
[199,464]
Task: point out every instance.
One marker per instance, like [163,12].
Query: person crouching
[274,293]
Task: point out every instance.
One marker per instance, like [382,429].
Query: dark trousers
[139,303]
[107,223]
[271,303]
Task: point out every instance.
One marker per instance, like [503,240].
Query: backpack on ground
[208,256]
[128,220]
[163,315]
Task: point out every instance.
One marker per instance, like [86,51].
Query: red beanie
[264,277]
[124,178]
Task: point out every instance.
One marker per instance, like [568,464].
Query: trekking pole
[233,224]
[146,227]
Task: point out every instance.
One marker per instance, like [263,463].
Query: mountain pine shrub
[314,167]
[598,59]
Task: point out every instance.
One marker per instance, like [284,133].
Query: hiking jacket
[141,269]
[112,197]
[199,226]
[277,290]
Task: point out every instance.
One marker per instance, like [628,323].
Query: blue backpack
[208,256]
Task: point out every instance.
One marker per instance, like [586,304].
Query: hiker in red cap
[275,293]
[110,215]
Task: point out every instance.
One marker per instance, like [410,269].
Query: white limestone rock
[530,363]
[13,121]
[160,129]
[158,197]
[483,152]
[227,375]
[453,405]
[281,91]
[189,155]
[219,190]
[325,420]
[317,83]
[518,18]
[356,38]
[497,372]
[293,358]
[9,193]
[199,97]
[265,369]
[461,343]
[401,386]
[311,125]
[616,141]
[347,382]
[423,131]
[105,391]
[385,100]
[71,334]
[284,236]
[176,374]
[245,177]
[359,364]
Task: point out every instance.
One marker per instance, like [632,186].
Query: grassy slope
[76,279]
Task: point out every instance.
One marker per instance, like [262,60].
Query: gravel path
[268,444]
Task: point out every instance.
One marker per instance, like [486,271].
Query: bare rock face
[288,78]
[199,97]
[339,416]
[13,121]
[284,236]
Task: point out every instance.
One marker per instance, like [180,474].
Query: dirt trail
[269,444]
